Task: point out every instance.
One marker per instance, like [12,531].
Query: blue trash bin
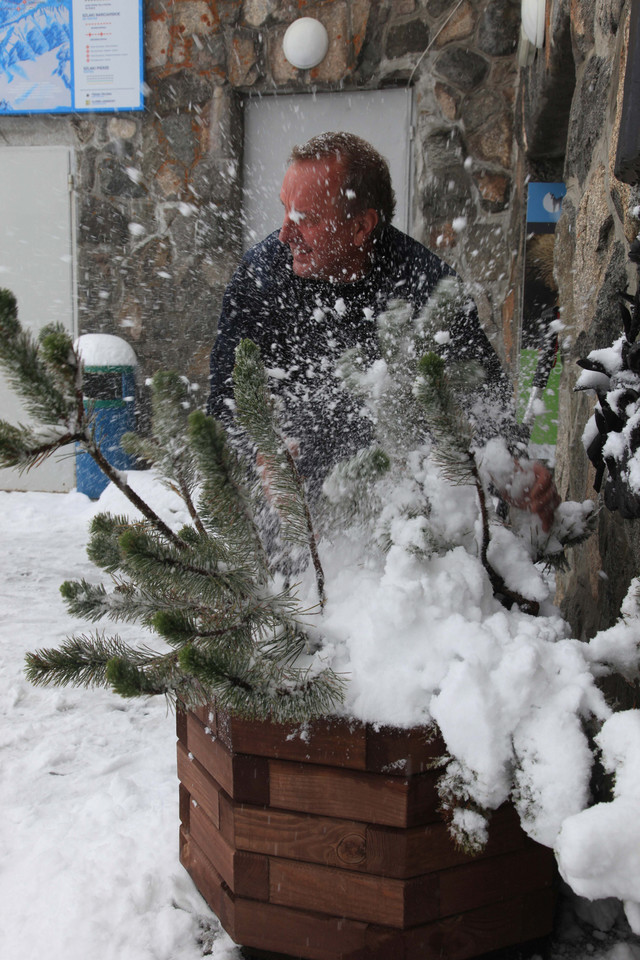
[109,386]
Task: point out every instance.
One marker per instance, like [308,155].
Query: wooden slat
[184,806]
[297,933]
[466,935]
[247,874]
[382,900]
[200,785]
[352,795]
[402,753]
[538,913]
[423,801]
[181,723]
[303,837]
[334,741]
[208,717]
[410,852]
[244,778]
[353,845]
[208,881]
[489,881]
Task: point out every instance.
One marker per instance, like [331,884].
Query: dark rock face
[410,37]
[462,67]
[588,115]
[499,28]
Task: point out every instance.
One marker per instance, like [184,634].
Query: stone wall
[159,194]
[586,50]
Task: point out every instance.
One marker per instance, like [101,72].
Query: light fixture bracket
[533,14]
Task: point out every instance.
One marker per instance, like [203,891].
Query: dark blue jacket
[302,327]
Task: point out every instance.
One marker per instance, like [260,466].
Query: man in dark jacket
[315,288]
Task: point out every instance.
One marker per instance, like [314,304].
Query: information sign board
[68,56]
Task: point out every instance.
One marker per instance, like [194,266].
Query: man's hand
[533,489]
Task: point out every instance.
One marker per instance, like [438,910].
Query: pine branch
[248,689]
[168,449]
[255,412]
[119,480]
[23,447]
[47,389]
[80,661]
[225,501]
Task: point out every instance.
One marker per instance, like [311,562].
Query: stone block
[170,181]
[360,10]
[586,122]
[459,27]
[499,28]
[157,43]
[281,70]
[477,109]
[442,237]
[409,37]
[194,16]
[224,125]
[101,222]
[582,14]
[122,129]
[256,12]
[83,128]
[335,65]
[242,58]
[462,67]
[448,101]
[494,142]
[447,197]
[443,148]
[180,91]
[116,181]
[494,190]
[436,8]
[178,132]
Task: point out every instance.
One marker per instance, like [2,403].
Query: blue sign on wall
[68,56]
[544,202]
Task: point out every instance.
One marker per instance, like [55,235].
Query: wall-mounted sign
[68,56]
[544,206]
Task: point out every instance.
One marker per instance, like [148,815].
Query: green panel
[545,427]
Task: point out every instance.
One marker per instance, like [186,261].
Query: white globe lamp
[305,43]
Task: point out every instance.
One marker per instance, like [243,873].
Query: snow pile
[422,638]
[105,350]
[89,790]
[599,849]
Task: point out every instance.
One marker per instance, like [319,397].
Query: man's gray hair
[367,181]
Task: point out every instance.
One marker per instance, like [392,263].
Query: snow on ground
[89,794]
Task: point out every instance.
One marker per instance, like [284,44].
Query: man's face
[324,242]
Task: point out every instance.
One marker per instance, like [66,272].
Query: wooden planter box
[325,842]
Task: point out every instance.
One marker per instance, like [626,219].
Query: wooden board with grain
[339,743]
[353,795]
[327,844]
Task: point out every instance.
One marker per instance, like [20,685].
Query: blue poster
[63,56]
[544,202]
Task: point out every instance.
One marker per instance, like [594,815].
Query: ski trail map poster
[68,56]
